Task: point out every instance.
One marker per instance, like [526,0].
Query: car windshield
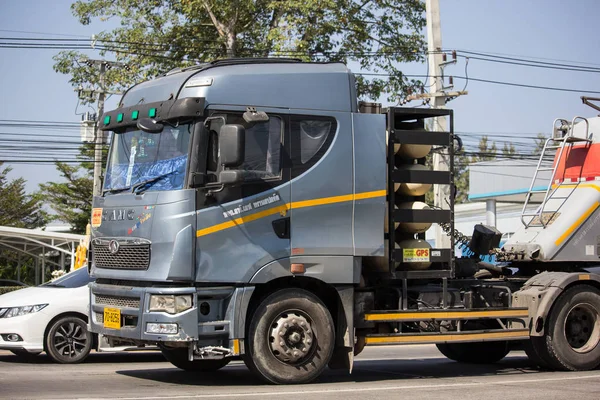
[74,279]
[155,161]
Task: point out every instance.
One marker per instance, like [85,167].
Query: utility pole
[440,158]
[98,134]
[437,98]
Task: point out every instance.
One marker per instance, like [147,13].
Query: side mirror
[197,179]
[230,177]
[232,145]
[150,126]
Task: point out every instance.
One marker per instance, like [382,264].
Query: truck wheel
[475,353]
[573,332]
[68,341]
[537,355]
[179,358]
[291,337]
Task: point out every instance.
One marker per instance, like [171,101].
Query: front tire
[68,340]
[572,339]
[291,337]
[179,358]
[475,353]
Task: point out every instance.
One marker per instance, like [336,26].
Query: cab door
[243,227]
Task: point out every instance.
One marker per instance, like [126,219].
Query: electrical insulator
[451,80]
[454,54]
[444,57]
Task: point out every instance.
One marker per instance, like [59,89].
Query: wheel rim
[582,328]
[70,339]
[291,338]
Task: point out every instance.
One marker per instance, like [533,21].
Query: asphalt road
[409,372]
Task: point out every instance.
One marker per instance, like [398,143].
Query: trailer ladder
[555,143]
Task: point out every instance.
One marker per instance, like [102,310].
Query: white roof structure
[43,246]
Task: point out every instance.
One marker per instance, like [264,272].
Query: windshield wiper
[114,191]
[142,186]
[53,285]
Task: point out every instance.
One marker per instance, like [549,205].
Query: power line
[523,59]
[524,64]
[40,33]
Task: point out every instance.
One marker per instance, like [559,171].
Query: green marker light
[107,120]
[152,112]
[120,117]
[135,114]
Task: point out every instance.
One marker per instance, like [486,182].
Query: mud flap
[343,354]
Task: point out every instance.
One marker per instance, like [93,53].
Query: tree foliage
[17,209]
[155,36]
[72,198]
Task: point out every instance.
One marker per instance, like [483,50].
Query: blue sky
[545,29]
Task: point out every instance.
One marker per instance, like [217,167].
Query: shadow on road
[93,358]
[364,371]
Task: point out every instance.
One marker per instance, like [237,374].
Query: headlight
[171,304]
[17,311]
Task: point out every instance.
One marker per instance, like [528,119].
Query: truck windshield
[148,161]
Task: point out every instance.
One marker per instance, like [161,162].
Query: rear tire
[475,353]
[537,354]
[572,337]
[291,337]
[179,358]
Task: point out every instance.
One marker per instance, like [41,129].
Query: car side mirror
[232,145]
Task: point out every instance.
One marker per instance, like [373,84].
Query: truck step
[444,315]
[446,337]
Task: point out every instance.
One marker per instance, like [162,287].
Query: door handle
[281,227]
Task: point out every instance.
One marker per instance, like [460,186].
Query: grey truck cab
[224,183]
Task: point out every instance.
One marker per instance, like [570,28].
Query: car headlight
[171,304]
[23,310]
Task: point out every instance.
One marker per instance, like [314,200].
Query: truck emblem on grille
[113,247]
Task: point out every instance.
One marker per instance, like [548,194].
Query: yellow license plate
[112,318]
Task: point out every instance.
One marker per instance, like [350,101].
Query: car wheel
[291,337]
[179,358]
[68,340]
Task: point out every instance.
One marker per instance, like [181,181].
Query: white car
[51,317]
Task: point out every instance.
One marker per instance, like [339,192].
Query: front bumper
[194,325]
[28,327]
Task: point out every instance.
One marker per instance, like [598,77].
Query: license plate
[112,318]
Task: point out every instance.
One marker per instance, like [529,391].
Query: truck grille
[128,256]
[117,301]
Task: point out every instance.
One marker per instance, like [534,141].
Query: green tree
[157,35]
[72,199]
[17,209]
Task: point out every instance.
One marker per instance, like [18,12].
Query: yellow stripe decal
[516,334]
[577,223]
[286,207]
[421,316]
[577,186]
